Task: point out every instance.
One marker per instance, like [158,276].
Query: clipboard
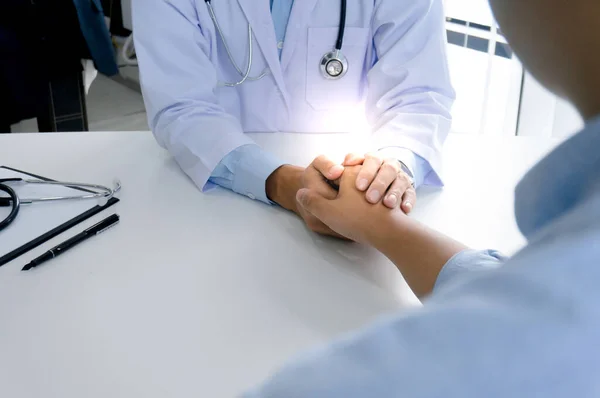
[51,231]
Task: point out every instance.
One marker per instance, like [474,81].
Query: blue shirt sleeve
[245,171]
[466,262]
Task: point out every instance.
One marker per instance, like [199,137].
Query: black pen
[74,241]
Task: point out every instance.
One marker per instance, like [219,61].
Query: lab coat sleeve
[178,82]
[410,95]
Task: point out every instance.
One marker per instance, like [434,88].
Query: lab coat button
[280,45]
[251,196]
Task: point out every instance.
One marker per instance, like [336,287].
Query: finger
[409,200]
[315,181]
[349,177]
[396,192]
[368,172]
[387,174]
[315,204]
[353,159]
[327,167]
[319,175]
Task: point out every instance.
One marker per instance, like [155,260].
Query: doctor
[213,70]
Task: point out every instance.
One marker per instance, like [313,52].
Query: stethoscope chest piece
[334,65]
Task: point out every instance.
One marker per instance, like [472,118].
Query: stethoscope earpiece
[334,65]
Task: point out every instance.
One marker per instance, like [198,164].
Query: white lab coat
[397,85]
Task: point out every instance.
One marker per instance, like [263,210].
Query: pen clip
[108,227]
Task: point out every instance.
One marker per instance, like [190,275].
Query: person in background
[490,326]
[199,106]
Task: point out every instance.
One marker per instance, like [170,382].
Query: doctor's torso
[294,96]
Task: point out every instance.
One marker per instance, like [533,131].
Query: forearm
[419,252]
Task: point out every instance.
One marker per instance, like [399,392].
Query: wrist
[389,227]
[283,184]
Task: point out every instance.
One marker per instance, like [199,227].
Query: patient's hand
[349,214]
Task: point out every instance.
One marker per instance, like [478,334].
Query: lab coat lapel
[260,19]
[297,26]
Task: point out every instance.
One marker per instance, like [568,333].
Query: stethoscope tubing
[15,203]
[105,192]
[245,75]
[335,55]
[340,40]
[13,200]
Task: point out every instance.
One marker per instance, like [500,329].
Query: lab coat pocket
[346,92]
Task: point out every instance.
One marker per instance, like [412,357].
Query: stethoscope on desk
[333,65]
[92,191]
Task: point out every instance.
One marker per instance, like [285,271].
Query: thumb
[313,202]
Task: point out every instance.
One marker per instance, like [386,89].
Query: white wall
[488,91]
[544,114]
[488,86]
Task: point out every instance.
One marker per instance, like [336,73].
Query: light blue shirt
[280,11]
[495,328]
[246,169]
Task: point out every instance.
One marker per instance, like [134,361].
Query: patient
[490,327]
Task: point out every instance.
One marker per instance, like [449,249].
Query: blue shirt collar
[560,181]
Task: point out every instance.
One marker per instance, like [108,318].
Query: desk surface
[204,295]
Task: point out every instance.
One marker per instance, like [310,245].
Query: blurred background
[495,95]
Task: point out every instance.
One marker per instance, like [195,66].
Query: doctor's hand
[349,213]
[383,179]
[285,182]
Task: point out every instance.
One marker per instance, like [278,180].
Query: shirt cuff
[418,166]
[245,171]
[252,171]
[466,262]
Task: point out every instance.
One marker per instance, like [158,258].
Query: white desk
[203,295]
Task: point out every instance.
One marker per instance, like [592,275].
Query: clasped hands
[368,188]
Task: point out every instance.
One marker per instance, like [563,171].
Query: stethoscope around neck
[333,65]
